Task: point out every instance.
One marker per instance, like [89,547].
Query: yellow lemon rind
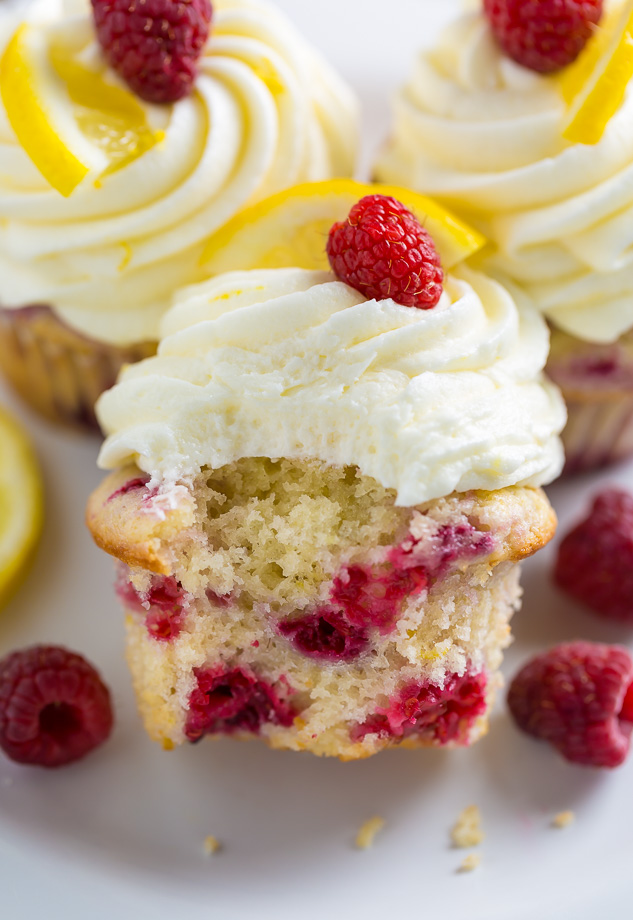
[297,221]
[29,119]
[21,506]
[597,82]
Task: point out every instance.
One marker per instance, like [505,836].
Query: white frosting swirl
[267,112]
[485,134]
[291,363]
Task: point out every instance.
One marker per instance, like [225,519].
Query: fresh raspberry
[579,697]
[383,251]
[595,560]
[54,707]
[154,44]
[543,35]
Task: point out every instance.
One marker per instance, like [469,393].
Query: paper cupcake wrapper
[598,433]
[59,372]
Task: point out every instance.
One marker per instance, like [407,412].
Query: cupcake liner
[597,383]
[598,433]
[58,371]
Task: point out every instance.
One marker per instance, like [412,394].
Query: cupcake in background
[322,484]
[115,168]
[531,138]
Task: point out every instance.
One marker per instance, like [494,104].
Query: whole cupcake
[127,138]
[509,120]
[322,486]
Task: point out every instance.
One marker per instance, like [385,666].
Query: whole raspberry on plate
[578,697]
[383,251]
[54,707]
[154,45]
[595,560]
[543,35]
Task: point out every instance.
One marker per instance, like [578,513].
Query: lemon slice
[21,505]
[594,86]
[67,118]
[290,229]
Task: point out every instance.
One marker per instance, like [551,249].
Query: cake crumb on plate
[470,863]
[212,845]
[563,819]
[467,831]
[367,833]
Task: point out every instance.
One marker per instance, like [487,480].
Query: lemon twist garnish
[290,229]
[595,85]
[66,117]
[21,506]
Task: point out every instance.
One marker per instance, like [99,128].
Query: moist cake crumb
[367,833]
[563,819]
[470,863]
[212,845]
[467,831]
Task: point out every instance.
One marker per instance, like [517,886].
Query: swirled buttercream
[291,363]
[481,132]
[267,112]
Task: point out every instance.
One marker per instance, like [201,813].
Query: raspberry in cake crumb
[54,707]
[133,485]
[162,603]
[218,600]
[367,597]
[383,251]
[373,598]
[467,831]
[325,634]
[440,714]
[231,701]
[367,834]
[563,819]
[579,697]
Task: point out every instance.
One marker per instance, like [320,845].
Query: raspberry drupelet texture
[154,44]
[579,697]
[543,35]
[54,707]
[595,560]
[383,251]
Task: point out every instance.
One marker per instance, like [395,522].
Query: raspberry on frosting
[154,44]
[543,35]
[54,707]
[595,560]
[383,251]
[578,697]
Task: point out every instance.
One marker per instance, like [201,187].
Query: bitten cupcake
[322,486]
[122,151]
[537,151]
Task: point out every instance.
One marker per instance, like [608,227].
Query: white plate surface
[121,834]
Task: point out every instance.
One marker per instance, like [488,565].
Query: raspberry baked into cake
[320,495]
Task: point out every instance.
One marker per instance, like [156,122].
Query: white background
[121,833]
